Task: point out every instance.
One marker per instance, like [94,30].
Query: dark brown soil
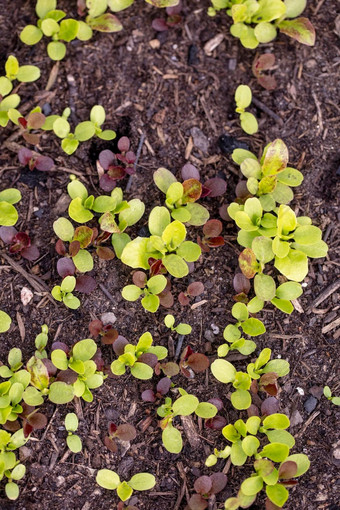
[164,93]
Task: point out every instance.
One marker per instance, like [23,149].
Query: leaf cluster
[110,480]
[243,97]
[19,243]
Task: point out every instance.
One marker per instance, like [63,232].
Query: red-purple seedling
[206,487]
[211,238]
[123,432]
[264,63]
[20,243]
[32,420]
[32,121]
[28,158]
[114,167]
[84,283]
[214,187]
[242,288]
[173,19]
[86,237]
[193,290]
[192,362]
[107,332]
[217,422]
[162,388]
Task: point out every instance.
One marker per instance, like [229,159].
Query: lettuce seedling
[211,235]
[167,243]
[28,158]
[51,23]
[5,321]
[40,342]
[262,63]
[8,213]
[162,388]
[125,432]
[193,290]
[33,121]
[268,17]
[172,20]
[148,288]
[64,291]
[107,333]
[328,394]
[83,132]
[206,487]
[71,425]
[110,480]
[181,198]
[100,20]
[242,286]
[232,333]
[10,467]
[140,358]
[19,243]
[192,362]
[116,166]
[243,98]
[214,187]
[32,419]
[185,405]
[182,328]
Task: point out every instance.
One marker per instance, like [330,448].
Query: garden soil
[177,89]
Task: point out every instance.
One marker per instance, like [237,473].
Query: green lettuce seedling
[71,425]
[232,333]
[8,213]
[41,342]
[64,291]
[275,480]
[148,288]
[185,405]
[256,22]
[226,373]
[243,98]
[182,328]
[10,467]
[84,130]
[181,197]
[51,23]
[328,394]
[108,479]
[5,321]
[166,243]
[140,358]
[79,368]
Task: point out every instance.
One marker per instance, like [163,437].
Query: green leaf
[224,371]
[169,320]
[12,491]
[163,179]
[61,127]
[276,421]
[264,286]
[68,284]
[279,366]
[240,155]
[71,301]
[133,213]
[5,322]
[277,494]
[119,5]
[290,176]
[131,292]
[174,234]
[294,8]
[84,131]
[142,482]
[206,410]
[265,32]
[249,123]
[9,102]
[172,439]
[84,31]
[60,393]
[156,284]
[74,443]
[314,251]
[237,455]
[300,29]
[199,215]
[275,155]
[294,266]
[49,27]
[276,452]
[77,189]
[135,255]
[262,247]
[281,436]
[119,241]
[107,479]
[124,491]
[69,145]
[59,359]
[32,397]
[185,405]
[252,485]
[56,51]
[141,371]
[174,193]
[174,264]
[97,115]
[105,23]
[250,445]
[307,235]
[18,472]
[241,399]
[150,303]
[5,86]
[84,349]
[243,96]
[231,333]
[280,248]
[159,219]
[189,251]
[239,311]
[71,422]
[31,35]
[28,74]
[63,228]
[83,261]
[283,305]
[43,7]
[253,327]
[255,305]
[68,30]
[78,212]
[301,461]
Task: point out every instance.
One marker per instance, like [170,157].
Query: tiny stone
[24,453]
[209,335]
[310,404]
[200,140]
[300,391]
[215,329]
[232,64]
[46,109]
[155,44]
[336,454]
[295,418]
[60,480]
[311,63]
[108,318]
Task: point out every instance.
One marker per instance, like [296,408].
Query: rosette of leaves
[181,198]
[206,487]
[83,132]
[275,480]
[51,23]
[10,467]
[185,405]
[8,213]
[64,293]
[114,167]
[140,358]
[225,372]
[107,332]
[211,235]
[73,440]
[243,97]
[194,289]
[33,160]
[78,367]
[33,121]
[124,432]
[328,394]
[19,243]
[110,480]
[182,328]
[166,243]
[5,321]
[257,22]
[233,332]
[14,71]
[150,289]
[269,178]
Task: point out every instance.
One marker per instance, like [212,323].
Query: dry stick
[107,293]
[179,346]
[331,326]
[139,150]
[267,110]
[325,294]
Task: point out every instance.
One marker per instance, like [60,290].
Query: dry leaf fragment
[26,295]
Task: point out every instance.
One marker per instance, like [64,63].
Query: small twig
[179,346]
[331,326]
[139,150]
[325,294]
[267,110]
[107,293]
[318,109]
[308,422]
[49,424]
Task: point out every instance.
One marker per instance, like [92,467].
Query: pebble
[199,139]
[336,454]
[215,329]
[310,404]
[108,318]
[46,109]
[60,480]
[295,418]
[209,335]
[228,144]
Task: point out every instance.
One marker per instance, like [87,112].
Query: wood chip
[155,44]
[200,303]
[331,326]
[53,76]
[190,431]
[325,294]
[21,326]
[213,43]
[189,148]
